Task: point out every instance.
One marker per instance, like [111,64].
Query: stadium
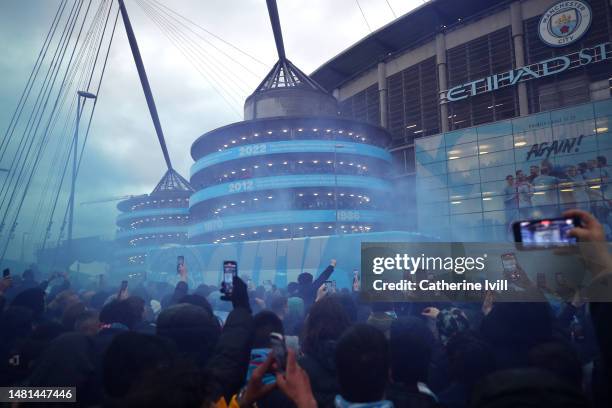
[475,92]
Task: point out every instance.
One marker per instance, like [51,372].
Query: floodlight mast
[145,82]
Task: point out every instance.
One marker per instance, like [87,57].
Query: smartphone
[544,233]
[334,285]
[6,273]
[279,350]
[230,269]
[328,285]
[180,261]
[122,288]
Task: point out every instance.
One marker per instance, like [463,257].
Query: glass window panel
[431,183]
[463,192]
[491,203]
[497,158]
[603,108]
[493,188]
[466,206]
[460,151]
[466,220]
[496,173]
[460,137]
[430,156]
[429,143]
[495,218]
[429,196]
[573,114]
[586,127]
[603,124]
[532,122]
[604,140]
[469,163]
[427,170]
[494,130]
[496,144]
[429,210]
[463,177]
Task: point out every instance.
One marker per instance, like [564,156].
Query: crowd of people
[150,344]
[548,188]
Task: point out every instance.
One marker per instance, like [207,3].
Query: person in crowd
[545,193]
[524,193]
[510,199]
[575,195]
[534,171]
[324,325]
[410,350]
[307,288]
[382,316]
[362,367]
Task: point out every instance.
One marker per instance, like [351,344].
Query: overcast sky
[123,155]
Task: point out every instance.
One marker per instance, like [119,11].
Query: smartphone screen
[279,349]
[541,280]
[545,233]
[328,285]
[508,262]
[230,269]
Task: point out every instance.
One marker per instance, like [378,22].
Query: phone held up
[545,233]
[230,269]
[279,350]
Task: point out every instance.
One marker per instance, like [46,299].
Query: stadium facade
[291,169]
[475,91]
[150,222]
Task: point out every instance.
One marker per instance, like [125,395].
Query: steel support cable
[156,4]
[36,109]
[31,80]
[54,118]
[263,64]
[89,59]
[17,184]
[237,93]
[363,15]
[97,92]
[210,81]
[231,96]
[22,200]
[221,66]
[391,8]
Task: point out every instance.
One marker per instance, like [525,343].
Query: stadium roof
[405,32]
[172,182]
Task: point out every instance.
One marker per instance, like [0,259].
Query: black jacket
[230,359]
[321,369]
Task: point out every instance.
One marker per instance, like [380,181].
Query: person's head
[279,305]
[130,356]
[519,175]
[87,323]
[450,322]
[545,171]
[70,315]
[570,171]
[559,359]
[602,161]
[362,364]
[197,300]
[180,290]
[117,311]
[410,347]
[526,387]
[510,180]
[190,387]
[292,288]
[591,164]
[326,321]
[28,275]
[518,325]
[470,358]
[534,170]
[266,322]
[582,167]
[33,299]
[193,329]
[137,307]
[305,278]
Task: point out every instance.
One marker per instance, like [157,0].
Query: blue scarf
[340,402]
